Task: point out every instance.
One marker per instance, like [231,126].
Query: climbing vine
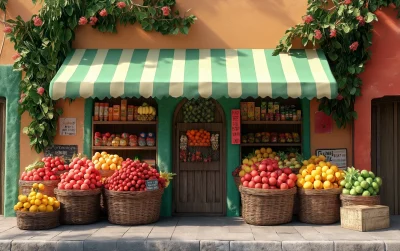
[343,30]
[43,42]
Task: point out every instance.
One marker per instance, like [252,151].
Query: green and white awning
[192,73]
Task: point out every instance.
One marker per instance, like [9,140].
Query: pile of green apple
[358,182]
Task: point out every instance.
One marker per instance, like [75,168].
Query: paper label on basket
[151,185]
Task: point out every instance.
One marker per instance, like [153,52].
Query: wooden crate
[365,218]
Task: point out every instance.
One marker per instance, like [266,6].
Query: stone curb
[196,245]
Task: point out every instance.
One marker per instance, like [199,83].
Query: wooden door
[385,157]
[200,187]
[2,149]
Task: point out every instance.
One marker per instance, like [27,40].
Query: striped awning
[192,73]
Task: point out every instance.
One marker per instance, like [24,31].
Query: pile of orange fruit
[36,201]
[105,161]
[198,137]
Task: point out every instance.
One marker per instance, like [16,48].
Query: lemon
[16,208]
[269,150]
[22,198]
[56,204]
[327,185]
[313,173]
[32,201]
[325,168]
[317,177]
[45,202]
[318,169]
[338,175]
[328,164]
[50,201]
[49,208]
[323,175]
[265,155]
[305,162]
[41,187]
[39,196]
[330,178]
[308,185]
[330,171]
[300,182]
[322,157]
[45,196]
[247,169]
[27,205]
[113,167]
[241,173]
[322,163]
[309,178]
[299,176]
[20,204]
[42,208]
[35,185]
[310,167]
[32,194]
[334,168]
[38,202]
[33,209]
[262,150]
[317,184]
[304,173]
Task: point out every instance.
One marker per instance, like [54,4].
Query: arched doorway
[200,184]
[385,146]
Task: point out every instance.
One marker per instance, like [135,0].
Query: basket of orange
[199,137]
[319,191]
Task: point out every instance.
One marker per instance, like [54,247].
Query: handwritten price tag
[235,114]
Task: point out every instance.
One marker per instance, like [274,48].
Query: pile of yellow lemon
[105,161]
[36,201]
[316,173]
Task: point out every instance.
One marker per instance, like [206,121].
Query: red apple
[272,181]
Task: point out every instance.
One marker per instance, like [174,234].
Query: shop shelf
[141,148]
[271,122]
[270,144]
[154,122]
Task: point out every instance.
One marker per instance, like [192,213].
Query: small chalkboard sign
[151,185]
[65,151]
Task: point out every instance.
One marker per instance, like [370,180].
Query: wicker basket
[49,185]
[237,181]
[106,173]
[38,221]
[352,200]
[58,173]
[79,206]
[319,206]
[133,208]
[267,206]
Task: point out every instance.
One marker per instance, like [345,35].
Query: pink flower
[7,29]
[20,101]
[166,10]
[40,91]
[93,20]
[354,46]
[83,21]
[333,33]
[121,5]
[339,97]
[103,13]
[16,56]
[318,34]
[23,95]
[308,19]
[347,2]
[361,20]
[37,21]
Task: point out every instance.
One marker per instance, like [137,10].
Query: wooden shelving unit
[130,127]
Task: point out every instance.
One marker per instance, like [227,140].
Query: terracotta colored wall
[381,78]
[221,24]
[339,138]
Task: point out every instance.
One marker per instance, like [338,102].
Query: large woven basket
[79,206]
[49,185]
[352,200]
[267,206]
[106,173]
[38,221]
[237,181]
[133,208]
[320,206]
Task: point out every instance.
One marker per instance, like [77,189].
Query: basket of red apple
[133,193]
[79,193]
[43,172]
[268,194]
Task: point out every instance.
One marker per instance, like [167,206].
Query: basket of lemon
[319,191]
[37,211]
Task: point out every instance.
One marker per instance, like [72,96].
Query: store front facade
[209,32]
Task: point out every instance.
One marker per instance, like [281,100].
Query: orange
[318,184]
[42,208]
[334,168]
[38,202]
[310,167]
[56,204]
[322,157]
[33,209]
[41,187]
[309,178]
[49,208]
[327,185]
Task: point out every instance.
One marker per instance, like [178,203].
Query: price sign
[235,115]
[335,156]
[151,185]
[67,126]
[65,151]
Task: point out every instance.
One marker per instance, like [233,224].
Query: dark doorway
[385,157]
[2,150]
[200,184]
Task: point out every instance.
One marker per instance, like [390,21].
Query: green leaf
[346,28]
[333,56]
[69,10]
[152,11]
[351,69]
[25,130]
[45,108]
[185,30]
[337,45]
[68,35]
[304,41]
[370,17]
[50,115]
[341,9]
[353,91]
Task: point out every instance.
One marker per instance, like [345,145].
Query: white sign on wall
[67,126]
[335,156]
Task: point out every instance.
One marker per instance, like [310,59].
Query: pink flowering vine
[339,97]
[361,20]
[16,56]
[332,33]
[166,10]
[93,21]
[308,19]
[37,21]
[318,34]
[121,5]
[7,30]
[40,91]
[82,21]
[354,46]
[103,13]
[347,2]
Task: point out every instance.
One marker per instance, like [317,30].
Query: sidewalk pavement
[198,233]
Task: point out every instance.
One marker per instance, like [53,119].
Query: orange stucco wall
[381,78]
[221,24]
